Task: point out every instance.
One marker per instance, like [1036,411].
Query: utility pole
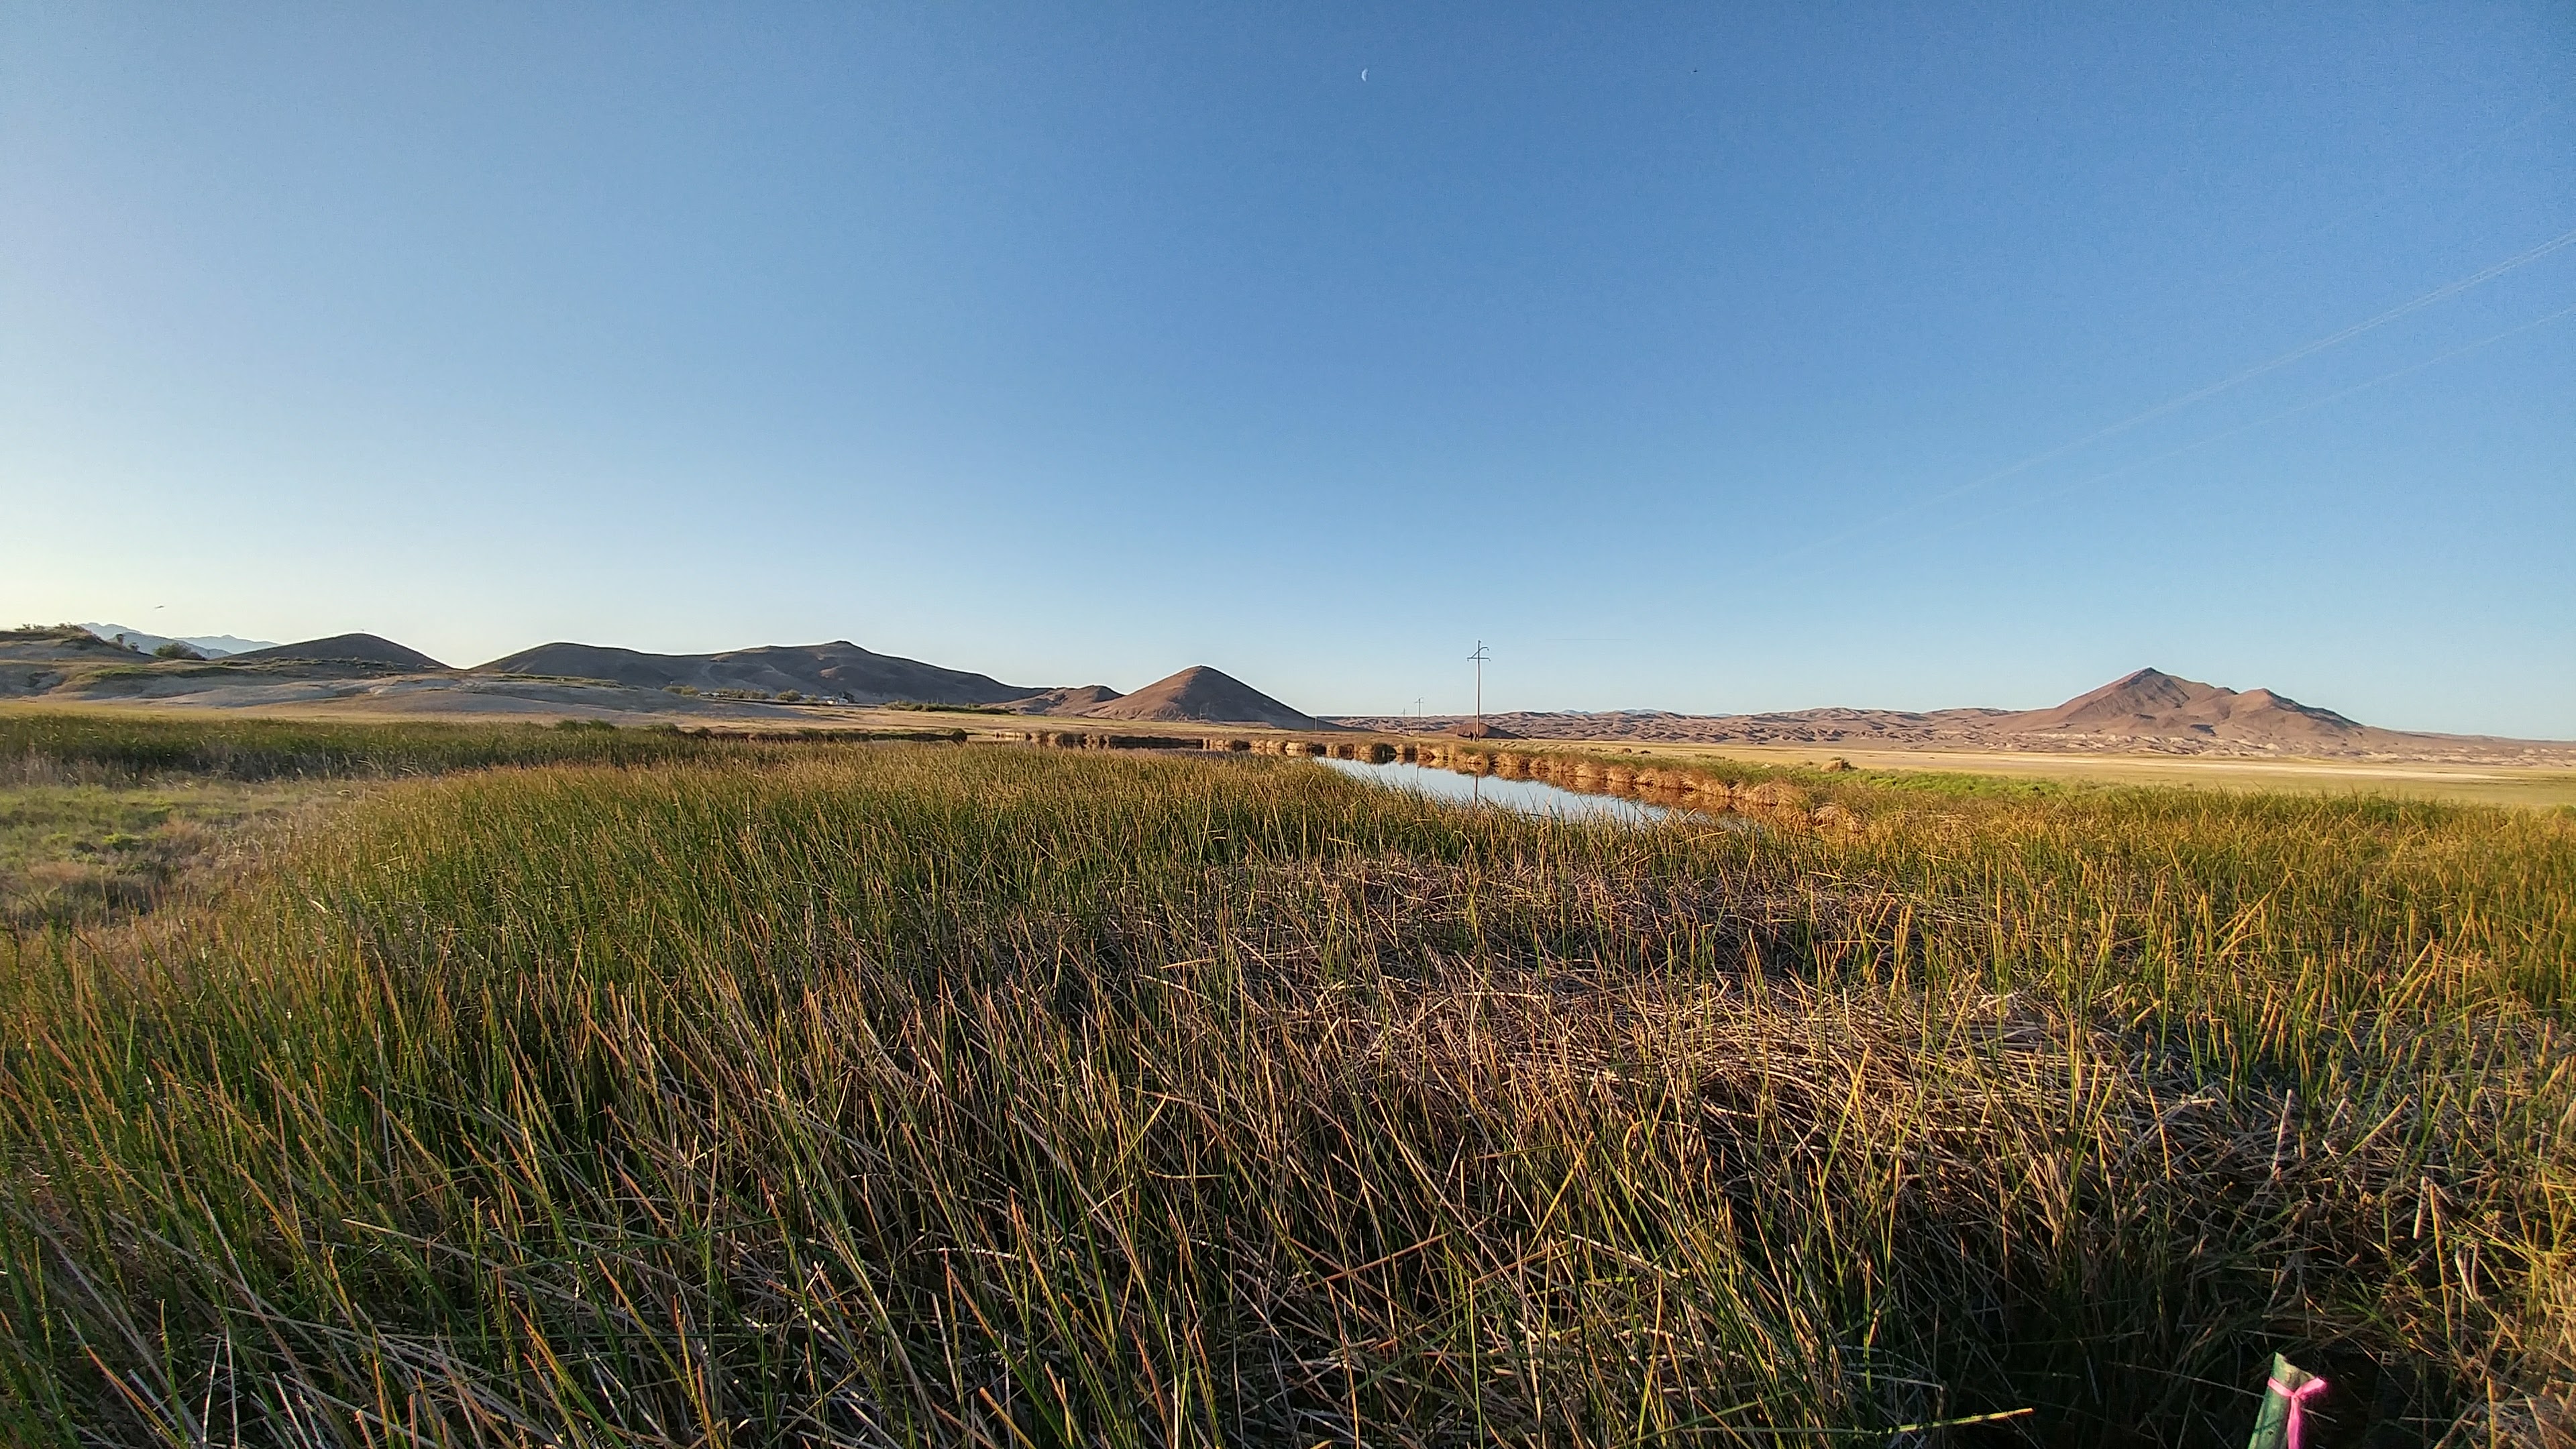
[1480,656]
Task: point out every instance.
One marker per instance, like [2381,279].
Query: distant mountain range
[213,646]
[838,670]
[375,672]
[2149,711]
[843,671]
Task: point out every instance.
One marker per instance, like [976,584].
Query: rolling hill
[2144,712]
[213,646]
[369,672]
[2148,711]
[1073,700]
[340,649]
[1200,693]
[838,670]
[2152,704]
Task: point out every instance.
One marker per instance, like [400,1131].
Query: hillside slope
[340,649]
[2148,711]
[213,646]
[2151,704]
[1200,693]
[1071,700]
[838,670]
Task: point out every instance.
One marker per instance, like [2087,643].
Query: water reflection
[1527,797]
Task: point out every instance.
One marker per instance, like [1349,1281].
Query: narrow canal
[1527,797]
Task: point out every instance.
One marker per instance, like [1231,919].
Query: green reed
[125,745]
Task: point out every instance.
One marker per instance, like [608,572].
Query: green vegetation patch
[85,854]
[125,745]
[934,707]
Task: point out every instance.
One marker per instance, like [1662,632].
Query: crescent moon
[1363,72]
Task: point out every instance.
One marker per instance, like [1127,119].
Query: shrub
[933,706]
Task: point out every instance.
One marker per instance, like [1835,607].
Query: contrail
[2288,412]
[2303,351]
[2452,164]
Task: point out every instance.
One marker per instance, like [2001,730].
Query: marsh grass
[104,746]
[939,1095]
[77,852]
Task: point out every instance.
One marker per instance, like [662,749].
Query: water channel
[1526,797]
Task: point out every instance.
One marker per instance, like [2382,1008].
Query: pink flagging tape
[2298,1398]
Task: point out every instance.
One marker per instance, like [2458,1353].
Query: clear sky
[1705,357]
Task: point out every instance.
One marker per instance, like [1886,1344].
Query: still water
[1528,797]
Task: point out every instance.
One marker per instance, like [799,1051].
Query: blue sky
[1686,355]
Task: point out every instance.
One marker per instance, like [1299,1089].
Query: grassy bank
[86,853]
[121,746]
[923,1094]
[2454,782]
[108,815]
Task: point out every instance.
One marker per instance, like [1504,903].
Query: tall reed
[927,1095]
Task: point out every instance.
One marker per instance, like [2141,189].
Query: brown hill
[1072,700]
[339,649]
[2152,704]
[66,642]
[34,660]
[838,670]
[1208,695]
[2148,711]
